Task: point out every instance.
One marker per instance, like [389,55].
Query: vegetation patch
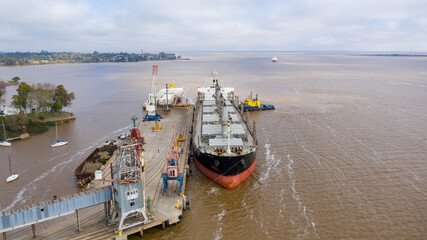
[45,101]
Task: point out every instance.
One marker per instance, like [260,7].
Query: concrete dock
[91,222]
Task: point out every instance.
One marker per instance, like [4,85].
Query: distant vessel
[13,176]
[58,143]
[4,142]
[253,104]
[224,146]
[274,59]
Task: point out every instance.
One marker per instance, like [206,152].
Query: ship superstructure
[224,145]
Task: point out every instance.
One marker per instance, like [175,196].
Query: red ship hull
[228,182]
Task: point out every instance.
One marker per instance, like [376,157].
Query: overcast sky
[217,25]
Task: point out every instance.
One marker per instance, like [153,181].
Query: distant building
[170,56]
[8,111]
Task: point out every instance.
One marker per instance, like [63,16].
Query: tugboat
[251,104]
[274,59]
[224,145]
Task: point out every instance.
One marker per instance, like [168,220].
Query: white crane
[152,102]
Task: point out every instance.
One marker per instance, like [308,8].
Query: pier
[92,219]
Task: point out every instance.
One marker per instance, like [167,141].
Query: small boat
[58,143]
[253,104]
[13,176]
[123,135]
[274,59]
[4,142]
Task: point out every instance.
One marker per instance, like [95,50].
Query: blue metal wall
[51,209]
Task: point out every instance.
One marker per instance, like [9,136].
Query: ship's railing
[241,116]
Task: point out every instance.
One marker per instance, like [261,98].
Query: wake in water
[19,197]
[271,164]
[301,207]
[218,234]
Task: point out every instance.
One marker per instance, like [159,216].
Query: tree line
[42,97]
[45,57]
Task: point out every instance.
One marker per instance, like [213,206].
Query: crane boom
[152,102]
[154,79]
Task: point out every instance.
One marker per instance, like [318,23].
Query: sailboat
[4,142]
[58,143]
[13,176]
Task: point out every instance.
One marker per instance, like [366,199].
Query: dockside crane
[172,167]
[152,102]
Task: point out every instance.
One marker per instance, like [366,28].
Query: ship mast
[228,133]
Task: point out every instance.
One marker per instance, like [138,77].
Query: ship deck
[208,126]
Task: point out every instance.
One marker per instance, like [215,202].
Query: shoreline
[58,63]
[28,133]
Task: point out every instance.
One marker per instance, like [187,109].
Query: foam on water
[301,207]
[271,164]
[213,190]
[19,197]
[218,235]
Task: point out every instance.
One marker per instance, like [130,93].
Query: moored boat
[58,143]
[4,142]
[224,145]
[254,104]
[85,171]
[13,176]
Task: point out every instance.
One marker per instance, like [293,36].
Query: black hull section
[225,165]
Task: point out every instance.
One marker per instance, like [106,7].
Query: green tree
[56,107]
[15,79]
[62,96]
[20,100]
[41,97]
[11,62]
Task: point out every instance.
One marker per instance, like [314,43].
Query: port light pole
[134,118]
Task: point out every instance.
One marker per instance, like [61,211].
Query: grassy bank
[37,123]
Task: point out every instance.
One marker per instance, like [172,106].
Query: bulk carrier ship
[224,146]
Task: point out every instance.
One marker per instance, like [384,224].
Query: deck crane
[152,102]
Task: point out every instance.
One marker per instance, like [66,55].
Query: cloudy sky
[217,25]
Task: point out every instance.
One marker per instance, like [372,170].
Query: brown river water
[343,156]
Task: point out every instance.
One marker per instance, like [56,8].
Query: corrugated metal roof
[208,109]
[210,118]
[209,103]
[227,110]
[53,208]
[211,129]
[234,117]
[237,129]
[215,129]
[222,142]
